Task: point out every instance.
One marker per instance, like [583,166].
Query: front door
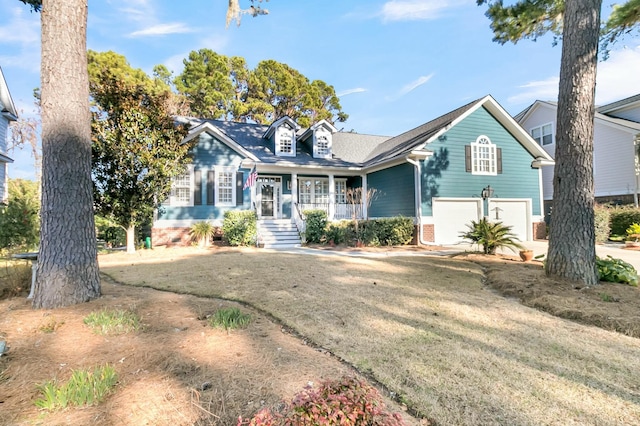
[269,197]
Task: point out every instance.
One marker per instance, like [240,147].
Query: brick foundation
[428,233]
[170,237]
[539,230]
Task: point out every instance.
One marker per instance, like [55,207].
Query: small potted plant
[633,236]
[526,255]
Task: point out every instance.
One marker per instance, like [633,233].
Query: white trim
[7,100]
[171,201]
[183,223]
[541,126]
[484,143]
[212,130]
[225,169]
[272,128]
[281,133]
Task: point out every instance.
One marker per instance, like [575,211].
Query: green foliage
[622,217]
[229,318]
[633,232]
[602,221]
[342,232]
[240,228]
[111,322]
[202,231]
[616,271]
[136,146]
[393,231]
[348,401]
[491,236]
[316,221]
[621,21]
[19,220]
[84,388]
[606,297]
[222,87]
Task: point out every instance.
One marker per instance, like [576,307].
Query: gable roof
[421,136]
[631,101]
[621,123]
[8,107]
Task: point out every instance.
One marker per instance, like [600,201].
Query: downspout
[418,201]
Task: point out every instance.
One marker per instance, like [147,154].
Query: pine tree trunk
[131,239]
[572,233]
[67,264]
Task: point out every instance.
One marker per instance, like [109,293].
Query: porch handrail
[299,219]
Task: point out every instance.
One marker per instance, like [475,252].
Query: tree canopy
[137,147]
[221,87]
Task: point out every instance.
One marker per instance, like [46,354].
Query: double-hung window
[543,134]
[483,156]
[182,189]
[225,186]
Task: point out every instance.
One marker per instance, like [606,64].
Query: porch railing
[342,210]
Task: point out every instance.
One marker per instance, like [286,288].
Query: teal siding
[207,153]
[444,174]
[395,191]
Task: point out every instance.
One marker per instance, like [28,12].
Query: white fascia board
[272,128]
[541,162]
[214,131]
[297,168]
[320,123]
[385,164]
[7,100]
[5,159]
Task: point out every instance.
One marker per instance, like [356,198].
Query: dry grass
[429,329]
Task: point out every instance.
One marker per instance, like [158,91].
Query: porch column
[294,195]
[365,196]
[332,197]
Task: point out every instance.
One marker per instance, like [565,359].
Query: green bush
[393,231]
[83,388]
[622,217]
[348,401]
[491,236]
[240,227]
[616,271]
[342,232]
[316,221]
[602,223]
[19,219]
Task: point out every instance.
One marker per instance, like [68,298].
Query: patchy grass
[436,332]
[229,319]
[15,277]
[112,321]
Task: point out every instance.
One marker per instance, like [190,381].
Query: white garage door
[451,217]
[515,213]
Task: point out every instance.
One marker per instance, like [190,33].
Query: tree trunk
[67,263]
[131,238]
[572,230]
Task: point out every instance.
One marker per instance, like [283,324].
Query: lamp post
[487,192]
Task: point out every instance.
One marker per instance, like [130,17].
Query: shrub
[633,232]
[229,318]
[83,388]
[112,321]
[622,217]
[240,227]
[340,232]
[316,221]
[388,231]
[348,401]
[491,236]
[202,231]
[602,223]
[19,219]
[616,271]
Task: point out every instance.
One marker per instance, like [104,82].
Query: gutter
[413,158]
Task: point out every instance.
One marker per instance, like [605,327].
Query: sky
[395,64]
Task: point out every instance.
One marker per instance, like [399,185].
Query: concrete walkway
[539,247]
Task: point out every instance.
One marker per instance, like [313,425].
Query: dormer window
[322,144]
[285,141]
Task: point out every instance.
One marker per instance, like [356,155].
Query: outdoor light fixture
[487,192]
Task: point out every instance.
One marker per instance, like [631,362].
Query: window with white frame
[182,189]
[316,191]
[285,141]
[322,144]
[225,189]
[483,156]
[543,134]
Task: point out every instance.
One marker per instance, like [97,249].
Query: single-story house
[473,162]
[616,139]
[9,113]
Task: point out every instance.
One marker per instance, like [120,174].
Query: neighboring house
[435,174]
[615,141]
[9,114]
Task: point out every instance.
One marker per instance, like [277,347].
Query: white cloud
[415,84]
[351,91]
[417,10]
[618,76]
[20,36]
[544,90]
[162,29]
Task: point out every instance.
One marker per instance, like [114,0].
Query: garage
[515,213]
[451,217]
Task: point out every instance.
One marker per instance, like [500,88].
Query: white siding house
[8,113]
[616,135]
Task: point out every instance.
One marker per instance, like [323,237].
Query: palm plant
[491,236]
[202,231]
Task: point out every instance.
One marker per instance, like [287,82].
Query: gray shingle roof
[618,104]
[405,142]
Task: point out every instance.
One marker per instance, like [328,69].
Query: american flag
[251,180]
